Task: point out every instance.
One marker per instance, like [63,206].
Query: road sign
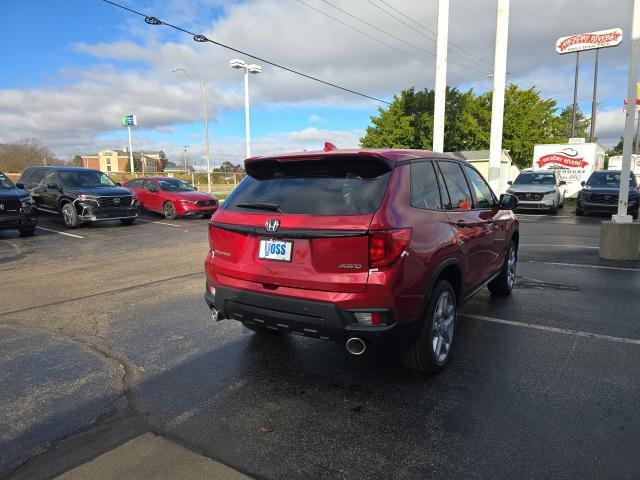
[129,121]
[589,41]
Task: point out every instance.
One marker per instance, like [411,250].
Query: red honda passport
[360,247]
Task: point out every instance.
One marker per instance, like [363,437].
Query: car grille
[205,203]
[529,197]
[9,207]
[114,202]
[604,199]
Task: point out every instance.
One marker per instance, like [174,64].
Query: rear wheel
[27,231]
[70,215]
[169,211]
[431,350]
[502,285]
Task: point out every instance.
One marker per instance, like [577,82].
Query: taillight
[371,318]
[212,236]
[385,246]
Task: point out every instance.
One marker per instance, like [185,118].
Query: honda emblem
[272,225]
[116,201]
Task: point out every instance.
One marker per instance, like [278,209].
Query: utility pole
[497,103]
[623,198]
[44,160]
[594,105]
[206,136]
[575,96]
[441,76]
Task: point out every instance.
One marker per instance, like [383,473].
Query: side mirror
[508,202]
[509,182]
[195,188]
[562,182]
[583,183]
[20,185]
[153,189]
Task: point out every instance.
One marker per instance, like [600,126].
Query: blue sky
[70,68]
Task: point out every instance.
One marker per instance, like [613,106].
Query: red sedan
[172,197]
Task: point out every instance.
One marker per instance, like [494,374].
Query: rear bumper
[315,319]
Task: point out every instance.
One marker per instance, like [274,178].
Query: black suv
[17,208]
[601,191]
[80,195]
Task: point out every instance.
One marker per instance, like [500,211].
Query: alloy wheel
[443,325]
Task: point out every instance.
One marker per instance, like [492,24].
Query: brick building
[118,161]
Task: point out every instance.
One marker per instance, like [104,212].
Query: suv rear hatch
[301,222]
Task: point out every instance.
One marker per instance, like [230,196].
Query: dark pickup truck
[80,195]
[17,209]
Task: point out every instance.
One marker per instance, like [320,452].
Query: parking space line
[563,331]
[61,233]
[159,223]
[554,246]
[582,265]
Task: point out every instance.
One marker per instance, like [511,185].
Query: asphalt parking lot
[105,336]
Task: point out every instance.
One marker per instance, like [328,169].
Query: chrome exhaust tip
[215,316]
[356,346]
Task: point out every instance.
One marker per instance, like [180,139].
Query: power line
[375,39]
[452,45]
[378,28]
[201,38]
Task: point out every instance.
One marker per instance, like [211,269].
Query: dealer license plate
[275,250]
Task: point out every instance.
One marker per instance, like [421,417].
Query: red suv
[359,247]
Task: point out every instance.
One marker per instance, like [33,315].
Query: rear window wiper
[271,207]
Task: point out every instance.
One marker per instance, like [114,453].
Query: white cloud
[316,119]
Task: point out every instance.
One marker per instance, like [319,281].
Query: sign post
[130,121]
[578,43]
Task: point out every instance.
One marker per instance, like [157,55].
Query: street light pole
[241,64]
[627,146]
[441,76]
[206,125]
[497,102]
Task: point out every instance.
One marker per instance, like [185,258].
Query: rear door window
[456,184]
[424,187]
[483,196]
[337,186]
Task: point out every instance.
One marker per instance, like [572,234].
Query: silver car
[538,190]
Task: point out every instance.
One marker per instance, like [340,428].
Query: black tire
[262,330]
[169,211]
[579,212]
[70,215]
[502,285]
[561,205]
[420,354]
[127,221]
[27,231]
[553,210]
[634,215]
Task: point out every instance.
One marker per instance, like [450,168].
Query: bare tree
[14,157]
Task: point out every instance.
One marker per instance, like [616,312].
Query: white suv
[538,190]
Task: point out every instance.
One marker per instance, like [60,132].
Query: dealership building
[118,160]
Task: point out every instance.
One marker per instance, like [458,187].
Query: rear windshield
[316,187]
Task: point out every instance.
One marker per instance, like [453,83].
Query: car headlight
[85,198]
[188,202]
[28,202]
[549,192]
[509,191]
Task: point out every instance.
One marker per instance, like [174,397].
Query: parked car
[600,194]
[172,197]
[360,247]
[80,195]
[539,190]
[17,209]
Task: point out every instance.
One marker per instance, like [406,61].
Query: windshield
[175,185]
[334,187]
[609,179]
[5,182]
[535,179]
[87,178]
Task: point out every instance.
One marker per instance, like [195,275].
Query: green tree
[582,123]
